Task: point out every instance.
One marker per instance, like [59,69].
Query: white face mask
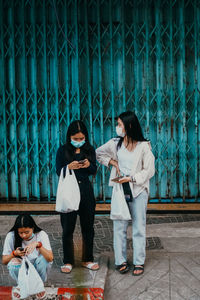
[119,131]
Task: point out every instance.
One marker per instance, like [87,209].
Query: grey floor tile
[182,281]
[182,244]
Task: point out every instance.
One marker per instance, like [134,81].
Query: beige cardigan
[143,164]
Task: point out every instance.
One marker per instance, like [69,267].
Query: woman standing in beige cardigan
[131,157]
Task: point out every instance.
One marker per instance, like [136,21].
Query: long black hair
[20,222]
[85,151]
[132,128]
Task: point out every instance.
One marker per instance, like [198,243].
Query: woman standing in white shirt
[130,156]
[26,238]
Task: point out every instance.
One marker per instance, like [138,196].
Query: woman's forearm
[48,254]
[7,258]
[114,163]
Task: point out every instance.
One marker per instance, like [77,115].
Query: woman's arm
[107,153]
[114,163]
[7,258]
[60,163]
[48,254]
[148,169]
[91,164]
[9,251]
[15,253]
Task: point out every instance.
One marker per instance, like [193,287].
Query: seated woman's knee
[15,261]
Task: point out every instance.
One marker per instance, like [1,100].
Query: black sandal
[140,268]
[123,268]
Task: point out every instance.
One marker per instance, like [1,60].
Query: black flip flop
[123,268]
[140,268]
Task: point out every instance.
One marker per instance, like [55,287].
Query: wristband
[13,253]
[133,179]
[39,245]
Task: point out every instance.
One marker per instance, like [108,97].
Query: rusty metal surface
[63,60]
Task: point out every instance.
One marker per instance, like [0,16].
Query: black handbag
[127,192]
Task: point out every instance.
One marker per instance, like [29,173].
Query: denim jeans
[138,213]
[42,266]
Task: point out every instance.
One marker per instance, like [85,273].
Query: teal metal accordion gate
[91,60]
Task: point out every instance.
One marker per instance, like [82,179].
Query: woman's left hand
[30,248]
[125,179]
[86,163]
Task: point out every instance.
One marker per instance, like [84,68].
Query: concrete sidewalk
[172,269]
[171,272]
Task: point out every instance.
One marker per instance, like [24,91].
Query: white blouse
[125,159]
[141,163]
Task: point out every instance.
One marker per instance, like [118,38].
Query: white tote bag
[119,207]
[29,281]
[68,192]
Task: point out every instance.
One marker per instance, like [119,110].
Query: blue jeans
[42,266]
[137,208]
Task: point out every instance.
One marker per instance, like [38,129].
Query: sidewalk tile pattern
[172,267]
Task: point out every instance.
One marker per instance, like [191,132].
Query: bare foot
[91,265]
[41,295]
[66,268]
[138,270]
[16,295]
[16,292]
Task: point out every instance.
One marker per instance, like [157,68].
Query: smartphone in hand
[116,179]
[81,162]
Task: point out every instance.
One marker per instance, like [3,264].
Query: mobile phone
[116,179]
[21,249]
[81,161]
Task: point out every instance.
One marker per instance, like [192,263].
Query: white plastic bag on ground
[68,192]
[29,281]
[119,206]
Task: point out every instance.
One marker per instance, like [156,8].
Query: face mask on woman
[31,237]
[119,131]
[77,144]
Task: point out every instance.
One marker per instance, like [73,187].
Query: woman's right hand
[74,165]
[19,252]
[114,163]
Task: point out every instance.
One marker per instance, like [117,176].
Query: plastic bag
[29,281]
[119,207]
[68,192]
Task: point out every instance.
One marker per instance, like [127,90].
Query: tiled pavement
[172,269]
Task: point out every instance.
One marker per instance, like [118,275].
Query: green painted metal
[14,101]
[123,56]
[134,50]
[159,92]
[66,73]
[62,60]
[4,146]
[35,140]
[89,94]
[182,93]
[196,70]
[100,114]
[111,67]
[77,103]
[171,133]
[26,103]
